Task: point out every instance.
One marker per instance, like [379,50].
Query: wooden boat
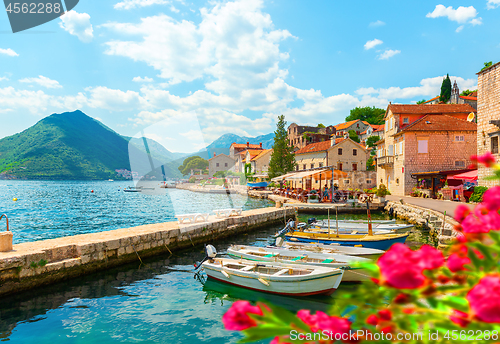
[379,242]
[366,221]
[328,249]
[361,226]
[337,261]
[258,185]
[275,278]
[334,230]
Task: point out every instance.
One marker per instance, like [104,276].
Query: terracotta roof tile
[315,147]
[469,97]
[261,154]
[345,125]
[430,108]
[430,100]
[440,123]
[253,152]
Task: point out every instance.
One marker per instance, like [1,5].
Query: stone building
[488,118]
[372,130]
[456,98]
[313,155]
[357,125]
[300,136]
[220,162]
[245,157]
[260,162]
[419,139]
[347,155]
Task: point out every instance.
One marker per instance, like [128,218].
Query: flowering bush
[413,297]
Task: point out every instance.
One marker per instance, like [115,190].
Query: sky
[235,66]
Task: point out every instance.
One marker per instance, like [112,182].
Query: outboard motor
[279,242]
[210,252]
[311,220]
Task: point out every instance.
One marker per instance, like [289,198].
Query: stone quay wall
[33,264]
[426,218]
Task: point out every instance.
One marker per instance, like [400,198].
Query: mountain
[69,146]
[222,144]
[156,149]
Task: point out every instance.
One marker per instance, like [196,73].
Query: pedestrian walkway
[429,203]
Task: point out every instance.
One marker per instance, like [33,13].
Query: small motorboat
[364,252]
[272,277]
[133,189]
[361,226]
[257,185]
[334,230]
[332,260]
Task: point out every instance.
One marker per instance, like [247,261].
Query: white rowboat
[322,248]
[275,278]
[337,261]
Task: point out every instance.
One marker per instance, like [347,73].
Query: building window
[340,151]
[354,152]
[400,150]
[346,181]
[312,165]
[357,125]
[397,181]
[459,138]
[217,164]
[459,163]
[320,164]
[494,145]
[406,120]
[225,164]
[368,181]
[423,146]
[304,166]
[339,166]
[390,123]
[354,167]
[297,168]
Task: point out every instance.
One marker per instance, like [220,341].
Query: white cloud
[114,100]
[429,87]
[388,54]
[42,81]
[130,4]
[493,4]
[8,52]
[461,15]
[235,44]
[78,24]
[139,79]
[377,23]
[460,28]
[4,78]
[372,44]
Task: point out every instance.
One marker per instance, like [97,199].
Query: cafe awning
[302,175]
[327,174]
[277,179]
[468,176]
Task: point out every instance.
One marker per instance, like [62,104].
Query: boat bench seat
[297,258]
[327,261]
[281,272]
[247,268]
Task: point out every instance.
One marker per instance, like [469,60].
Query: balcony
[385,161]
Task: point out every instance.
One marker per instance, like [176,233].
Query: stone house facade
[347,155]
[296,133]
[312,156]
[220,162]
[260,162]
[237,148]
[488,118]
[423,138]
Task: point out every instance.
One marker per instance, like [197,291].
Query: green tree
[445,89]
[193,162]
[371,115]
[370,142]
[282,158]
[421,101]
[467,93]
[487,65]
[353,136]
[369,164]
[321,125]
[220,174]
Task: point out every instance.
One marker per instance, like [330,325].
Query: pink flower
[484,299]
[385,314]
[402,268]
[460,318]
[491,198]
[372,320]
[486,159]
[482,220]
[456,262]
[324,322]
[461,212]
[236,318]
[276,340]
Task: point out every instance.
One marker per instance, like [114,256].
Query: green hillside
[69,146]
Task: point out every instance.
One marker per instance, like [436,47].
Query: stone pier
[33,264]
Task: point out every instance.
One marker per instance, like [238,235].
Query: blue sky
[236,65]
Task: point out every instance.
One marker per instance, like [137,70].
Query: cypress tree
[282,158]
[445,89]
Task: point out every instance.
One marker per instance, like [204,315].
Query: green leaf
[263,332]
[456,302]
